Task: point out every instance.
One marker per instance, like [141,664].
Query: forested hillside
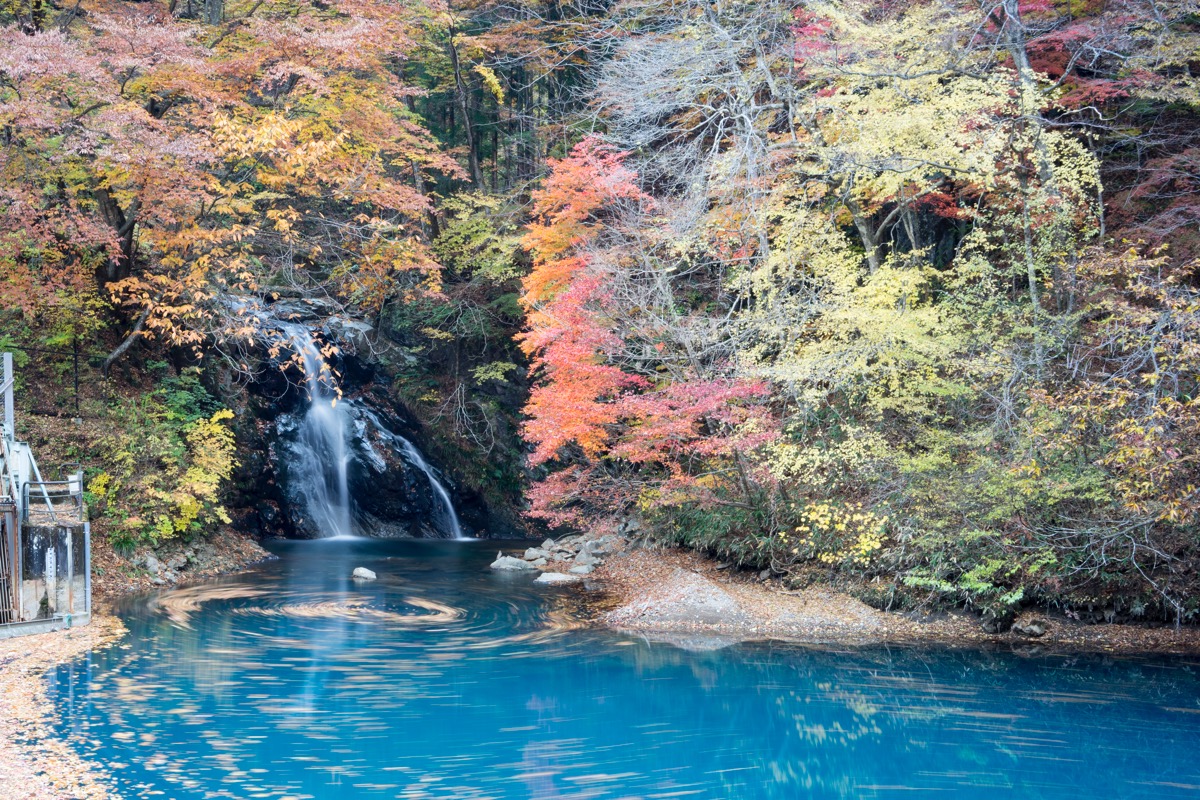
[898,295]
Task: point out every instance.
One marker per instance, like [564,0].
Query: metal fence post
[10,430]
[87,566]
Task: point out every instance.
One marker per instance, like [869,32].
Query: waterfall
[323,442]
[324,448]
[412,455]
[449,517]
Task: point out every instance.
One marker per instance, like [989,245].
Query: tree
[200,164]
[622,426]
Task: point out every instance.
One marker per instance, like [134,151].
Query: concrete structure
[45,539]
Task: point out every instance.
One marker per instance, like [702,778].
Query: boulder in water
[557,578]
[363,574]
[504,562]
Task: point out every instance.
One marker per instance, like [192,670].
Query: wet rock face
[389,496]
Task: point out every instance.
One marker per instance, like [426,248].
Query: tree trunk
[125,345]
[123,222]
[462,95]
[869,236]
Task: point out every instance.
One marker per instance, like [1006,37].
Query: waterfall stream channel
[324,448]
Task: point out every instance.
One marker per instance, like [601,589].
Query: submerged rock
[504,562]
[363,574]
[557,577]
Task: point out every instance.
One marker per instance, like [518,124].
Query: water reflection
[443,680]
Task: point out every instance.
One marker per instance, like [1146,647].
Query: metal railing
[45,541]
[9,566]
[60,501]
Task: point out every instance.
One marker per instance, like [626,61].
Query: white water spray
[323,443]
[323,449]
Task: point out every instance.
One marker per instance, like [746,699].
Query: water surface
[444,680]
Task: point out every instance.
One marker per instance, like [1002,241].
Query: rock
[600,547]
[996,621]
[685,599]
[504,562]
[351,331]
[586,559]
[269,518]
[159,581]
[363,574]
[152,565]
[581,569]
[176,563]
[1034,628]
[766,573]
[548,544]
[630,527]
[533,553]
[557,577]
[539,562]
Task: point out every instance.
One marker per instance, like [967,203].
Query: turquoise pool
[444,680]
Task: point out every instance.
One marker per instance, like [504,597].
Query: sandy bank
[681,593]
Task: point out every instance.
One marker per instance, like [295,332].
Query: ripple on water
[442,680]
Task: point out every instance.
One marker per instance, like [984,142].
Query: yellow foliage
[838,534]
[491,81]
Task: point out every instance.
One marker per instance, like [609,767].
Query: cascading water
[324,449]
[412,455]
[324,458]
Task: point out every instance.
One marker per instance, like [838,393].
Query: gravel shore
[35,764]
[682,593]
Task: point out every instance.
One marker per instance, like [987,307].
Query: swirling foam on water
[359,610]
